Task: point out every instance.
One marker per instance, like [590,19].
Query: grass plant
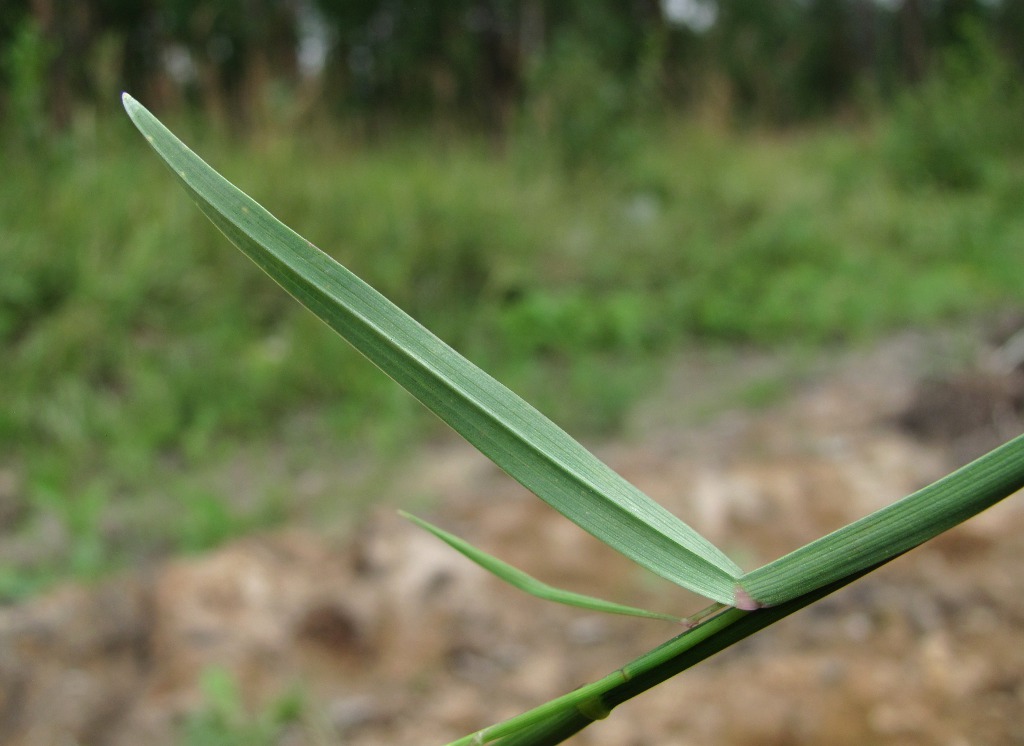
[142,364]
[225,721]
[549,462]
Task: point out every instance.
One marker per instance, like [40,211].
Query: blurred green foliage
[140,351]
[253,62]
[226,721]
[579,107]
[953,130]
[567,193]
[24,63]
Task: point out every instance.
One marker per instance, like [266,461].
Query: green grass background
[160,394]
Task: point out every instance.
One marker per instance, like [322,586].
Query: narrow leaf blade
[529,584]
[892,530]
[510,432]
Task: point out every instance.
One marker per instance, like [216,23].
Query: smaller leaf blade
[529,584]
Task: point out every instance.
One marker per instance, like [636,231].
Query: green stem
[919,517]
[557,720]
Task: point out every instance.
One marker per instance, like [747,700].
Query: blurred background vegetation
[570,193]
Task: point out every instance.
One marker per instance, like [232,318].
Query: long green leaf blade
[892,530]
[510,432]
[529,584]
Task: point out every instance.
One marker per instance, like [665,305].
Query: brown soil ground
[395,639]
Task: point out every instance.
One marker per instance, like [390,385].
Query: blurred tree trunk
[531,31]
[66,25]
[502,73]
[142,71]
[914,38]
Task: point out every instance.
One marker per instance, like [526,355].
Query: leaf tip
[132,107]
[417,521]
